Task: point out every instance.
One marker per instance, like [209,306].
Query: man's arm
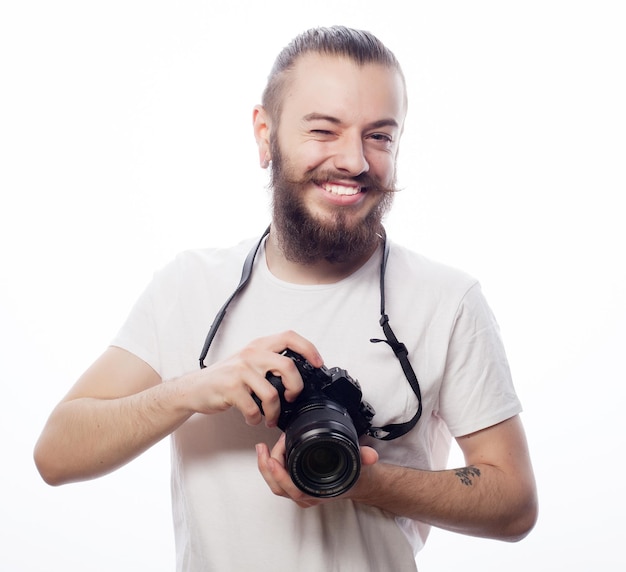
[120,407]
[116,410]
[494,496]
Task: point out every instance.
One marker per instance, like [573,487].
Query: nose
[350,156]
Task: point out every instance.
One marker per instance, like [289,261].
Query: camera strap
[385,433]
[395,430]
[246,272]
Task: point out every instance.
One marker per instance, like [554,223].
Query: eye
[380,141]
[322,135]
[383,137]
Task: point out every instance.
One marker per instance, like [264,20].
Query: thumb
[369,456]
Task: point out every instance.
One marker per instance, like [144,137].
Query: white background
[125,136]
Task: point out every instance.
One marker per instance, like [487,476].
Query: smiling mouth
[341,190]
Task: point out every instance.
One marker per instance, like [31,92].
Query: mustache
[364,180]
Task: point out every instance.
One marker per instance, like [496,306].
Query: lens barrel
[323,450]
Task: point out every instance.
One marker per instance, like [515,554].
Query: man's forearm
[88,437]
[478,500]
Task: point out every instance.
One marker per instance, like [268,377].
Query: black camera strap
[395,430]
[246,272]
[385,433]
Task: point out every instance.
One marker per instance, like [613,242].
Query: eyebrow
[336,121]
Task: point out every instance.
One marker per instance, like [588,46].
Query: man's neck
[318,272]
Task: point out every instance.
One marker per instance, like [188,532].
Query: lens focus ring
[323,452]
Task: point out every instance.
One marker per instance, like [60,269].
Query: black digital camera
[322,427]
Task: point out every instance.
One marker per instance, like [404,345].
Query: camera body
[322,427]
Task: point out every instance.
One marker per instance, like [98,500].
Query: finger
[289,377]
[250,372]
[294,341]
[268,397]
[266,353]
[266,467]
[304,347]
[283,483]
[279,450]
[272,467]
[369,456]
[257,362]
[242,400]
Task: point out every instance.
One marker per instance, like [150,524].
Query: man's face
[334,157]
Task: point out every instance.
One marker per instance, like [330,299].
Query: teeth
[341,189]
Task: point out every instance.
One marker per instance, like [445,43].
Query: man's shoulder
[213,269]
[210,258]
[416,266]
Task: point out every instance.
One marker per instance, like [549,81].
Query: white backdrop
[125,136]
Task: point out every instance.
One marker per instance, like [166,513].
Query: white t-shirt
[225,516]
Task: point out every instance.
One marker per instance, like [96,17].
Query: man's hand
[231,382]
[272,467]
[494,496]
[120,407]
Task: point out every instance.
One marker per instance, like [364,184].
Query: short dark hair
[360,46]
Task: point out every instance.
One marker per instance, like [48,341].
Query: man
[332,115]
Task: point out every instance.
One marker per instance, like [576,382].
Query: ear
[262,129]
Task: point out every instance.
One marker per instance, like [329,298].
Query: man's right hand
[119,407]
[231,382]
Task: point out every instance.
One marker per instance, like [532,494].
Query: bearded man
[359,486]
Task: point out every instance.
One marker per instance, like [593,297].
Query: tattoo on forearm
[466,473]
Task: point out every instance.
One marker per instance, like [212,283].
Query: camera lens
[324,465]
[323,461]
[322,450]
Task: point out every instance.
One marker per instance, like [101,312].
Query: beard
[305,238]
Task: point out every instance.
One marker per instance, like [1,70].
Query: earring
[266,162]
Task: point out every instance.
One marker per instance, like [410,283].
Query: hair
[360,46]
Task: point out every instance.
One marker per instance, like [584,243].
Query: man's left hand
[272,467]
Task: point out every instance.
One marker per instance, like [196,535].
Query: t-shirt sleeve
[477,390]
[139,333]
